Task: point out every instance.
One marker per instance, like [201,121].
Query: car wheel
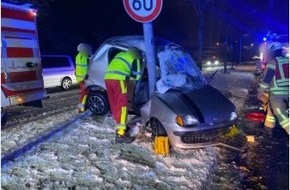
[98,103]
[157,128]
[66,83]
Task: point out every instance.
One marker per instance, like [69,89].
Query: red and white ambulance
[21,70]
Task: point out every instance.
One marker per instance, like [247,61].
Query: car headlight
[216,62]
[208,62]
[186,120]
[233,116]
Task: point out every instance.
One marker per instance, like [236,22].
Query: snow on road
[84,155]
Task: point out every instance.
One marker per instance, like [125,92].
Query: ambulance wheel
[98,103]
[66,83]
[157,128]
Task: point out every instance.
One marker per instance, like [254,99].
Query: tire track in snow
[11,155]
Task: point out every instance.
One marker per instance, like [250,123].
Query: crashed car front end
[193,113]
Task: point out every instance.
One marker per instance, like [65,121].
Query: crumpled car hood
[207,104]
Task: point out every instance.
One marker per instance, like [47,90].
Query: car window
[52,62]
[178,70]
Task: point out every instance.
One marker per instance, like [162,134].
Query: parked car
[58,71]
[184,106]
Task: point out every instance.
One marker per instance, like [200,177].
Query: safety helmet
[273,46]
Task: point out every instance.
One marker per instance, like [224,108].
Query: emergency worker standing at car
[124,66]
[82,61]
[275,83]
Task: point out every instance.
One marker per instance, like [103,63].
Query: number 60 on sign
[143,10]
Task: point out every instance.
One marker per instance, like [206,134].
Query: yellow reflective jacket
[81,66]
[123,66]
[276,76]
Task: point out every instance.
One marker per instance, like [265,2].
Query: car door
[140,93]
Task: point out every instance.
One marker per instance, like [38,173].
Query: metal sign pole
[150,56]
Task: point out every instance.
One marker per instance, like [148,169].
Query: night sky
[63,24]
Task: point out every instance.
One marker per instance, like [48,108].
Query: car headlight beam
[186,120]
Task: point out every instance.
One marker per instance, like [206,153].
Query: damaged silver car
[184,106]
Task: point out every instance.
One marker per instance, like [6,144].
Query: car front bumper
[198,137]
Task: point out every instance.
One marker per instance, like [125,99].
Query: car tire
[97,103]
[66,83]
[157,128]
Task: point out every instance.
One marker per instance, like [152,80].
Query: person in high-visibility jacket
[82,61]
[123,67]
[275,86]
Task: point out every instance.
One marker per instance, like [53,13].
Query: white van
[58,71]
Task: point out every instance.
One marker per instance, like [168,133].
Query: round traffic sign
[143,10]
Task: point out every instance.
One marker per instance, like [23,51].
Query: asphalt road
[58,101]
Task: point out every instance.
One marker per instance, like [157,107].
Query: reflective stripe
[84,99]
[125,61]
[124,115]
[117,72]
[121,126]
[80,75]
[123,86]
[270,66]
[284,83]
[263,85]
[121,129]
[281,114]
[81,65]
[285,123]
[270,119]
[121,132]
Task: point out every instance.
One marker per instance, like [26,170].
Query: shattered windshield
[178,70]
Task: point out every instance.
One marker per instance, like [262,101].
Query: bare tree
[199,7]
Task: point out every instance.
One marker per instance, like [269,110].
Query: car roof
[136,41]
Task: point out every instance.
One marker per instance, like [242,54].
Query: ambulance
[21,70]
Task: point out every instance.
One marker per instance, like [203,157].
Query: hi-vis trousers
[117,94]
[277,110]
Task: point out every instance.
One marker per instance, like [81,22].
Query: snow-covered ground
[84,155]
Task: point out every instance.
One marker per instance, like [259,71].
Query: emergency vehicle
[21,70]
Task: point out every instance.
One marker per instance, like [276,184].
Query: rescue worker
[82,61]
[274,86]
[124,66]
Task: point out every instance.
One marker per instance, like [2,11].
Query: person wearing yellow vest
[82,61]
[275,86]
[123,67]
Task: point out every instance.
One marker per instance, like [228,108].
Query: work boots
[124,136]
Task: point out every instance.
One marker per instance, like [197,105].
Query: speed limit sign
[143,10]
